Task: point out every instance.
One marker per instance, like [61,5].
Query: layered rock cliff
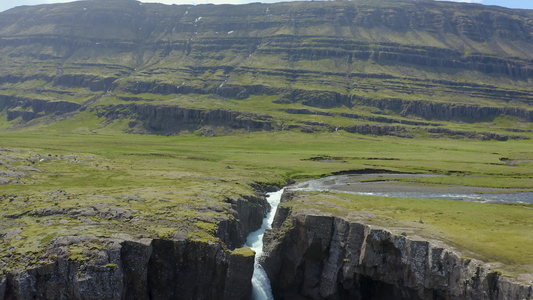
[29,109]
[316,256]
[171,119]
[403,59]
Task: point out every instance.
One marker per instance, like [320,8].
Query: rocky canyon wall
[324,257]
[140,269]
[123,266]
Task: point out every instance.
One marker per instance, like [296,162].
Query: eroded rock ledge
[142,269]
[324,257]
[122,266]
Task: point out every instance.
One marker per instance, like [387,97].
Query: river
[260,282]
[384,185]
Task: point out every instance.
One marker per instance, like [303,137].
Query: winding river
[384,185]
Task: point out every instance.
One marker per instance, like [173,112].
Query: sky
[7,4]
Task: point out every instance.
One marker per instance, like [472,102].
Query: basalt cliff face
[141,269]
[124,266]
[310,256]
[242,67]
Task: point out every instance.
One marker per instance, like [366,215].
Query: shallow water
[350,184]
[526,197]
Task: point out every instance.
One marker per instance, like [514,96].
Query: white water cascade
[260,282]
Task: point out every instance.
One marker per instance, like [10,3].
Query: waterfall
[260,282]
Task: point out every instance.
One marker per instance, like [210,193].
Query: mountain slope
[310,66]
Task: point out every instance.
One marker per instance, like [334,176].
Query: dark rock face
[94,83]
[174,119]
[146,268]
[30,109]
[248,216]
[322,257]
[444,111]
[195,271]
[64,278]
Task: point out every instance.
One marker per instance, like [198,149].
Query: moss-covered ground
[74,174]
[107,183]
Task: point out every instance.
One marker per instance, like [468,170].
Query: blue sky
[6,4]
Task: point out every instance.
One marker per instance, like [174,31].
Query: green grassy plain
[182,183]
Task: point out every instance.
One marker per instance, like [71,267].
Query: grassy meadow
[158,186]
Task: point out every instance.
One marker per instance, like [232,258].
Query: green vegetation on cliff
[398,68]
[122,121]
[154,186]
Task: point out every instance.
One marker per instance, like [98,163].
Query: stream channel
[375,185]
[389,185]
[260,283]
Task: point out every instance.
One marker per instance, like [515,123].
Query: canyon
[136,267]
[307,255]
[139,142]
[317,255]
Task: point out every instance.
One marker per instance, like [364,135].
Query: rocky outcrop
[324,257]
[173,119]
[404,131]
[11,78]
[445,111]
[376,129]
[126,267]
[29,109]
[248,213]
[164,119]
[134,269]
[94,83]
[478,135]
